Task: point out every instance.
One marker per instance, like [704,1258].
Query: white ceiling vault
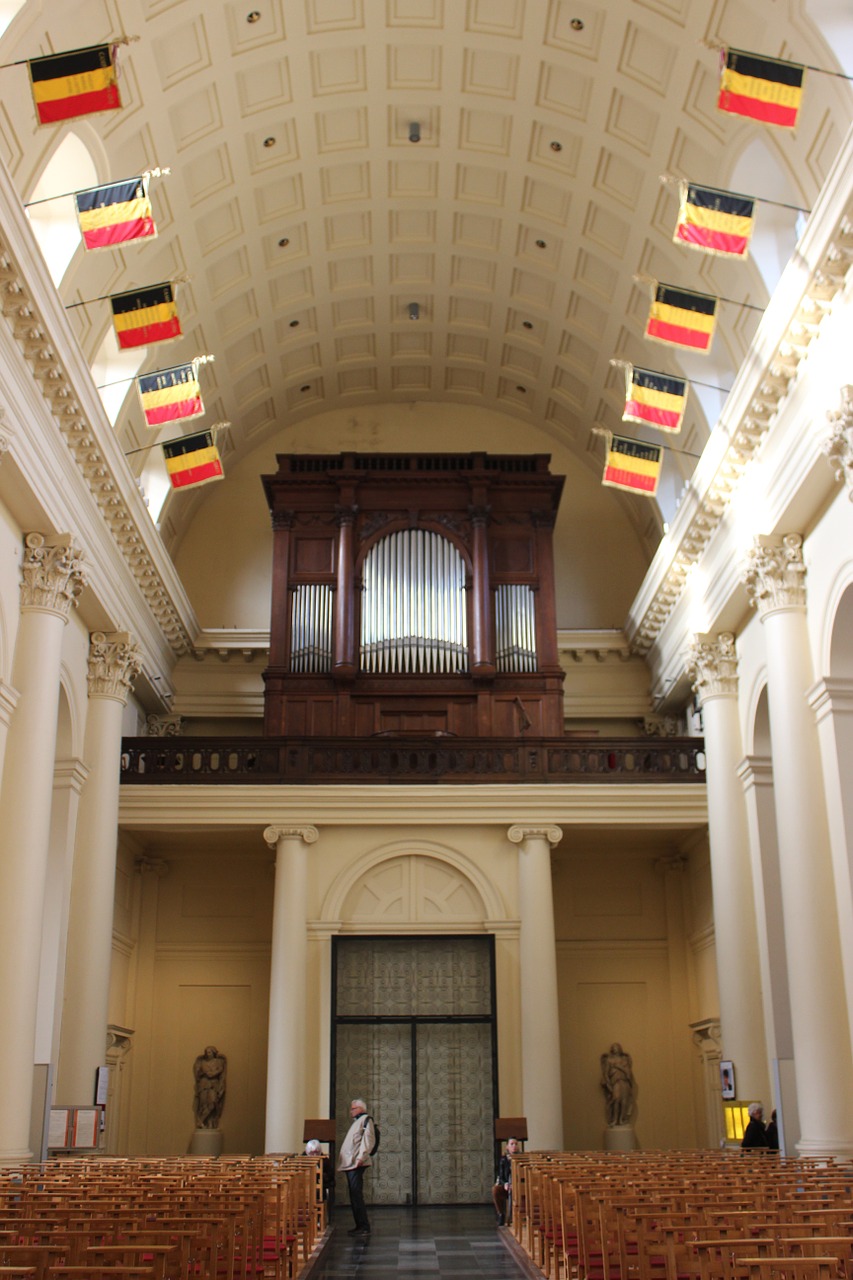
[307,222]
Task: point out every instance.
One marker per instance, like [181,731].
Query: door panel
[374,1062]
[454,1114]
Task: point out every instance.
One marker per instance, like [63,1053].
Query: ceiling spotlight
[307,387]
[283,242]
[576,24]
[254,16]
[526,324]
[269,142]
[556,146]
[414,132]
[540,244]
[414,311]
[294,324]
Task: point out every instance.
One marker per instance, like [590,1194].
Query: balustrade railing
[421,758]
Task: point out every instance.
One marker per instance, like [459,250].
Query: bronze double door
[415,1038]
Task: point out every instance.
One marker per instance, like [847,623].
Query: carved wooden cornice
[771,386]
[29,329]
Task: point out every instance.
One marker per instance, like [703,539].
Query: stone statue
[617,1081]
[209,1074]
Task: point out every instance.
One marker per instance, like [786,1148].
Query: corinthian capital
[712,666]
[52,574]
[775,575]
[838,446]
[115,660]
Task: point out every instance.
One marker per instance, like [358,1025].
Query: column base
[207,1142]
[838,1148]
[620,1137]
[19,1155]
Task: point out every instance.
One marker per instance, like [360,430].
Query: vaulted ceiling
[493,164]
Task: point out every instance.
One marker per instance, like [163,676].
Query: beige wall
[192,964]
[627,972]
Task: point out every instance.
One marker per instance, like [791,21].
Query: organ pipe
[413,616]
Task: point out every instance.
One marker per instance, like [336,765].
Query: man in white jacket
[354,1159]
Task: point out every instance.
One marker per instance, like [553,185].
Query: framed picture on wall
[727,1080]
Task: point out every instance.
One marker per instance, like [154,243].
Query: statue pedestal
[620,1137]
[207,1142]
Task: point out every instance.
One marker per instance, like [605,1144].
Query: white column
[714,669]
[540,1009]
[52,578]
[285,1110]
[775,580]
[114,661]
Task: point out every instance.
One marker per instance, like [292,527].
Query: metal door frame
[413,1021]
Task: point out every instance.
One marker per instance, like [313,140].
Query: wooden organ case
[413,594]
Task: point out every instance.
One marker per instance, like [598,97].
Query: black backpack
[376,1135]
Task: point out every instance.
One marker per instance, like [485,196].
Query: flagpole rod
[101,386]
[25,62]
[101,186]
[104,297]
[806,66]
[780,204]
[751,306]
[671,179]
[712,386]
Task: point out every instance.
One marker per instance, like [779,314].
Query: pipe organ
[413,594]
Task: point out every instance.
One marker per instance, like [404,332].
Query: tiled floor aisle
[419,1244]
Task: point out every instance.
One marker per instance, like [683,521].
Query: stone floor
[420,1244]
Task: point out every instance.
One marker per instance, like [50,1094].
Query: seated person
[502,1190]
[313,1148]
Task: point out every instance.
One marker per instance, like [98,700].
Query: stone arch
[413,884]
[69,744]
[70,166]
[836,648]
[756,738]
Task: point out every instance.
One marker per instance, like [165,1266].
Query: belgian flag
[655,399]
[115,214]
[765,89]
[682,318]
[170,395]
[145,316]
[81,82]
[632,465]
[193,460]
[714,221]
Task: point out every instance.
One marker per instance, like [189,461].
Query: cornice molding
[37,323]
[681,806]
